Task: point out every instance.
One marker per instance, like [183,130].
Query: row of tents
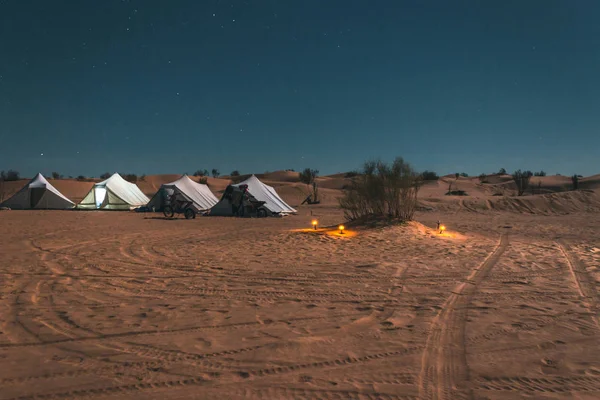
[115,193]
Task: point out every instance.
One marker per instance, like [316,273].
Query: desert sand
[503,305]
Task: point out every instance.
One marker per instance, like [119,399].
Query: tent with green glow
[114,193]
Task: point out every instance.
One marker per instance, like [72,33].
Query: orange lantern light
[314,224]
[442,228]
[341,228]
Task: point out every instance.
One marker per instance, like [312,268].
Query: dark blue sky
[163,86]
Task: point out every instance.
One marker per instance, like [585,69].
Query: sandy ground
[126,305]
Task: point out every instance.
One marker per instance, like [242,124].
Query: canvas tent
[38,194]
[273,203]
[199,194]
[115,193]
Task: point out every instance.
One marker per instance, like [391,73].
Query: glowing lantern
[341,228]
[314,224]
[442,228]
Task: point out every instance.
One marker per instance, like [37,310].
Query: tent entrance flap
[35,195]
[99,195]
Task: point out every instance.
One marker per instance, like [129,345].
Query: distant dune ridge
[547,194]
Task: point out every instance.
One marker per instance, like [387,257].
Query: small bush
[215,173]
[502,171]
[540,173]
[133,178]
[203,180]
[105,175]
[464,174]
[201,172]
[56,175]
[350,174]
[81,178]
[456,193]
[483,178]
[143,178]
[429,176]
[382,190]
[235,173]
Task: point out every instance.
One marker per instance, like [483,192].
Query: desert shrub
[81,178]
[203,180]
[307,176]
[143,178]
[290,170]
[429,176]
[575,181]
[540,173]
[483,178]
[350,174]
[464,174]
[501,171]
[105,175]
[215,173]
[382,190]
[201,172]
[56,175]
[456,193]
[235,173]
[522,179]
[133,178]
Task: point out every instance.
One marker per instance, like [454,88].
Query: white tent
[261,192]
[115,193]
[199,194]
[40,194]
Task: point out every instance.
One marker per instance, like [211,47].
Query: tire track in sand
[444,367]
[585,285]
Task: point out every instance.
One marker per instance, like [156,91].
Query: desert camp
[298,200]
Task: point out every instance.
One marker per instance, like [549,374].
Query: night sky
[174,86]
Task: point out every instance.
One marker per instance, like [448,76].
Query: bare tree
[522,179]
[308,176]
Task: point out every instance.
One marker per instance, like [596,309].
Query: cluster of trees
[10,175]
[382,189]
[204,173]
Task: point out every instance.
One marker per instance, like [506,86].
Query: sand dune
[504,305]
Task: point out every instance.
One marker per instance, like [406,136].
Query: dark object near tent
[309,200]
[243,203]
[252,191]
